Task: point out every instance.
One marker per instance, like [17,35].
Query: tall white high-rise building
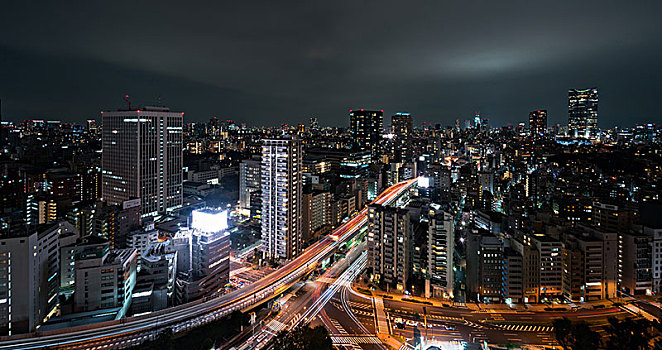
[281,198]
[142,158]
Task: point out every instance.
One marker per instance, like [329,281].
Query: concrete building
[281,181]
[142,158]
[513,273]
[316,212]
[613,218]
[484,266]
[29,277]
[68,254]
[389,232]
[367,129]
[550,252]
[140,240]
[440,249]
[105,279]
[402,128]
[584,268]
[530,270]
[656,255]
[249,182]
[636,272]
[115,222]
[156,282]
[208,256]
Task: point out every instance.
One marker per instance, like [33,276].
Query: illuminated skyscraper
[281,198]
[249,182]
[142,158]
[402,125]
[389,258]
[366,128]
[538,122]
[583,113]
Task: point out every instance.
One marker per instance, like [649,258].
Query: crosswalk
[526,327]
[337,326]
[356,309]
[354,340]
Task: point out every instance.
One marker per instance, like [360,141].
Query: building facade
[249,182]
[281,215]
[389,232]
[142,158]
[538,122]
[402,128]
[583,113]
[366,128]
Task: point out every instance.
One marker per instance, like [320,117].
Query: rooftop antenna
[128,101]
[159,103]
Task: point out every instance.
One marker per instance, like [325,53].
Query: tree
[303,338]
[628,334]
[575,336]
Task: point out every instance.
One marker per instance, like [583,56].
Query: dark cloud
[266,62]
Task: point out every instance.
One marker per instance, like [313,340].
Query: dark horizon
[287,62]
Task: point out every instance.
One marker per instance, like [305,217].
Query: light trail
[131,331]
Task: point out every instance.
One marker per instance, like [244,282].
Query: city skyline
[440,62]
[330,175]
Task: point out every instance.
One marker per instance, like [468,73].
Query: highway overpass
[131,331]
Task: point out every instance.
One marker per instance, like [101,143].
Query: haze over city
[264,62]
[330,175]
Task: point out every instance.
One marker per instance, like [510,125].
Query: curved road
[134,330]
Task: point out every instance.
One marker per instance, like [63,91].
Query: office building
[203,256]
[68,253]
[281,198]
[104,279]
[513,273]
[366,128]
[155,286]
[583,113]
[636,271]
[538,122]
[389,259]
[142,158]
[115,222]
[402,128]
[550,253]
[316,212]
[484,266]
[440,249]
[29,277]
[249,182]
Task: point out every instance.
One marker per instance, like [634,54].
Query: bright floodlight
[424,182]
[209,220]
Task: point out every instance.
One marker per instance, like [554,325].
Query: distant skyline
[267,63]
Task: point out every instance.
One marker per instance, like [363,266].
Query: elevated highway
[131,331]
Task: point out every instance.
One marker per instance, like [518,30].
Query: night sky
[271,62]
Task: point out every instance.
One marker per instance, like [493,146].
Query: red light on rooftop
[101,112]
[138,111]
[361,109]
